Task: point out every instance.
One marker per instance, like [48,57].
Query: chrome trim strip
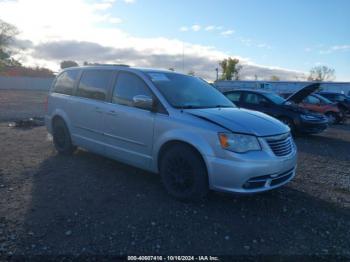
[124,139]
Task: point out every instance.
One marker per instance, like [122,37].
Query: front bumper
[259,173]
[307,127]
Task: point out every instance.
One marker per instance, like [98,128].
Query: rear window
[234,96]
[94,84]
[65,82]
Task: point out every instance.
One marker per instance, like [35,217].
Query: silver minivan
[169,123]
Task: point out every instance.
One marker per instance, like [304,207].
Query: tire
[332,118]
[289,122]
[61,137]
[183,173]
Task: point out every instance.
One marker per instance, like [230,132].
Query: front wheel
[184,173]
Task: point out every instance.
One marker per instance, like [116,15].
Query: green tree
[68,63]
[230,69]
[321,73]
[275,78]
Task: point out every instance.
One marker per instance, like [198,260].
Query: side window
[313,100]
[254,99]
[94,84]
[339,98]
[129,85]
[234,96]
[65,82]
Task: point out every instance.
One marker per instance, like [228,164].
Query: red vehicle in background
[320,104]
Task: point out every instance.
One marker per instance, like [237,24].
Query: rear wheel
[61,137]
[184,173]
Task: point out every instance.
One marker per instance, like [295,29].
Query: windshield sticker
[158,77]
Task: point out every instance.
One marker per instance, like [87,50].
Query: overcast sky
[270,37]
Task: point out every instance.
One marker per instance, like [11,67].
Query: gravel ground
[86,204]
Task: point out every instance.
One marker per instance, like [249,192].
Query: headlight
[239,143]
[308,117]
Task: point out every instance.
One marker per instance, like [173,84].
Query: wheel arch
[62,115]
[174,142]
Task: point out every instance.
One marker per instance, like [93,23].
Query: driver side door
[128,129]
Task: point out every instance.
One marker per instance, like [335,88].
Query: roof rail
[97,64]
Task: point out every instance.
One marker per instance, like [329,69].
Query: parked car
[320,104]
[342,100]
[298,119]
[173,124]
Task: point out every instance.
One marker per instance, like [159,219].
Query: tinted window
[129,85]
[340,98]
[255,99]
[331,96]
[65,82]
[312,100]
[277,99]
[94,84]
[234,96]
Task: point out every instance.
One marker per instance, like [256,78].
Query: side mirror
[143,102]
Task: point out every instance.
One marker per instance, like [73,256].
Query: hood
[241,120]
[299,96]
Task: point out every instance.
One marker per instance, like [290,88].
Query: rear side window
[254,99]
[129,85]
[234,96]
[65,82]
[94,84]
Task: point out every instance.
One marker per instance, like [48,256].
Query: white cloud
[335,48]
[341,47]
[51,37]
[183,28]
[227,32]
[196,28]
[209,28]
[129,1]
[115,20]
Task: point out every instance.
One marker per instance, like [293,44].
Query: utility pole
[217,73]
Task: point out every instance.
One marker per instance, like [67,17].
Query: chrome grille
[281,145]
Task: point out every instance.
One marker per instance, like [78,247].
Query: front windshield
[183,91]
[275,98]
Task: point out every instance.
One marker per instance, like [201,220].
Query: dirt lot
[87,204]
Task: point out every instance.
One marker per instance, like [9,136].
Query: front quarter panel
[187,129]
